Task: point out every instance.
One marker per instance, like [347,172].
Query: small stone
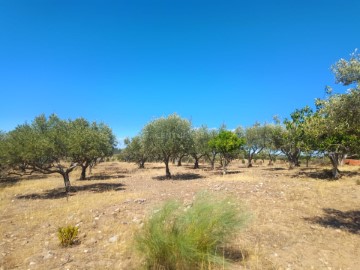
[137,221]
[113,239]
[32,263]
[140,201]
[49,255]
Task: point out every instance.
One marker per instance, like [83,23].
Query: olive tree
[257,138]
[226,143]
[167,137]
[89,143]
[212,150]
[42,146]
[49,145]
[200,144]
[335,127]
[291,140]
[135,151]
[275,132]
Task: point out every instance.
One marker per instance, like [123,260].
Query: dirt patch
[299,219]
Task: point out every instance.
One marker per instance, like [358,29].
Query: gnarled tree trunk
[167,170]
[141,164]
[335,161]
[196,164]
[67,184]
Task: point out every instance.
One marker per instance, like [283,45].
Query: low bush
[179,238]
[67,235]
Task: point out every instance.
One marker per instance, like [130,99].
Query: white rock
[113,239]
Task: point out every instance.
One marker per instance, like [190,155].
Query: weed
[67,235]
[190,238]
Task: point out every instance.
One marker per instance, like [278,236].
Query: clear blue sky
[127,62]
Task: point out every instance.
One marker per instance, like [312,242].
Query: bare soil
[299,219]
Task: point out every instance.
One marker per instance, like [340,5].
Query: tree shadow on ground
[220,172]
[275,169]
[102,177]
[347,221]
[232,254]
[323,174]
[155,167]
[35,177]
[8,181]
[182,176]
[58,193]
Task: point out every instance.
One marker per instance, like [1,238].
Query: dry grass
[299,219]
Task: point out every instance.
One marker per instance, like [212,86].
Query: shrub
[67,235]
[190,238]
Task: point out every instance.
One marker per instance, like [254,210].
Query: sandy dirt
[298,218]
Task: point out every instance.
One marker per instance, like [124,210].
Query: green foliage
[335,127]
[67,235]
[135,151]
[348,71]
[200,143]
[51,145]
[178,238]
[167,137]
[89,142]
[2,152]
[257,137]
[226,143]
[293,139]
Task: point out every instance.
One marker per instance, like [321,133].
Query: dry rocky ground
[299,220]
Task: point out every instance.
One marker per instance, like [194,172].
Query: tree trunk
[293,160]
[142,164]
[343,157]
[224,163]
[168,174]
[196,165]
[334,158]
[291,165]
[249,161]
[67,184]
[83,172]
[270,160]
[179,161]
[212,163]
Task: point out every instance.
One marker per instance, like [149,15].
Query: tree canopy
[167,137]
[51,145]
[335,127]
[135,151]
[226,143]
[200,144]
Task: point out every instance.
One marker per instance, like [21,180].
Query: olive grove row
[52,145]
[332,129]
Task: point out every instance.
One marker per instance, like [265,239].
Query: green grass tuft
[190,238]
[67,235]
